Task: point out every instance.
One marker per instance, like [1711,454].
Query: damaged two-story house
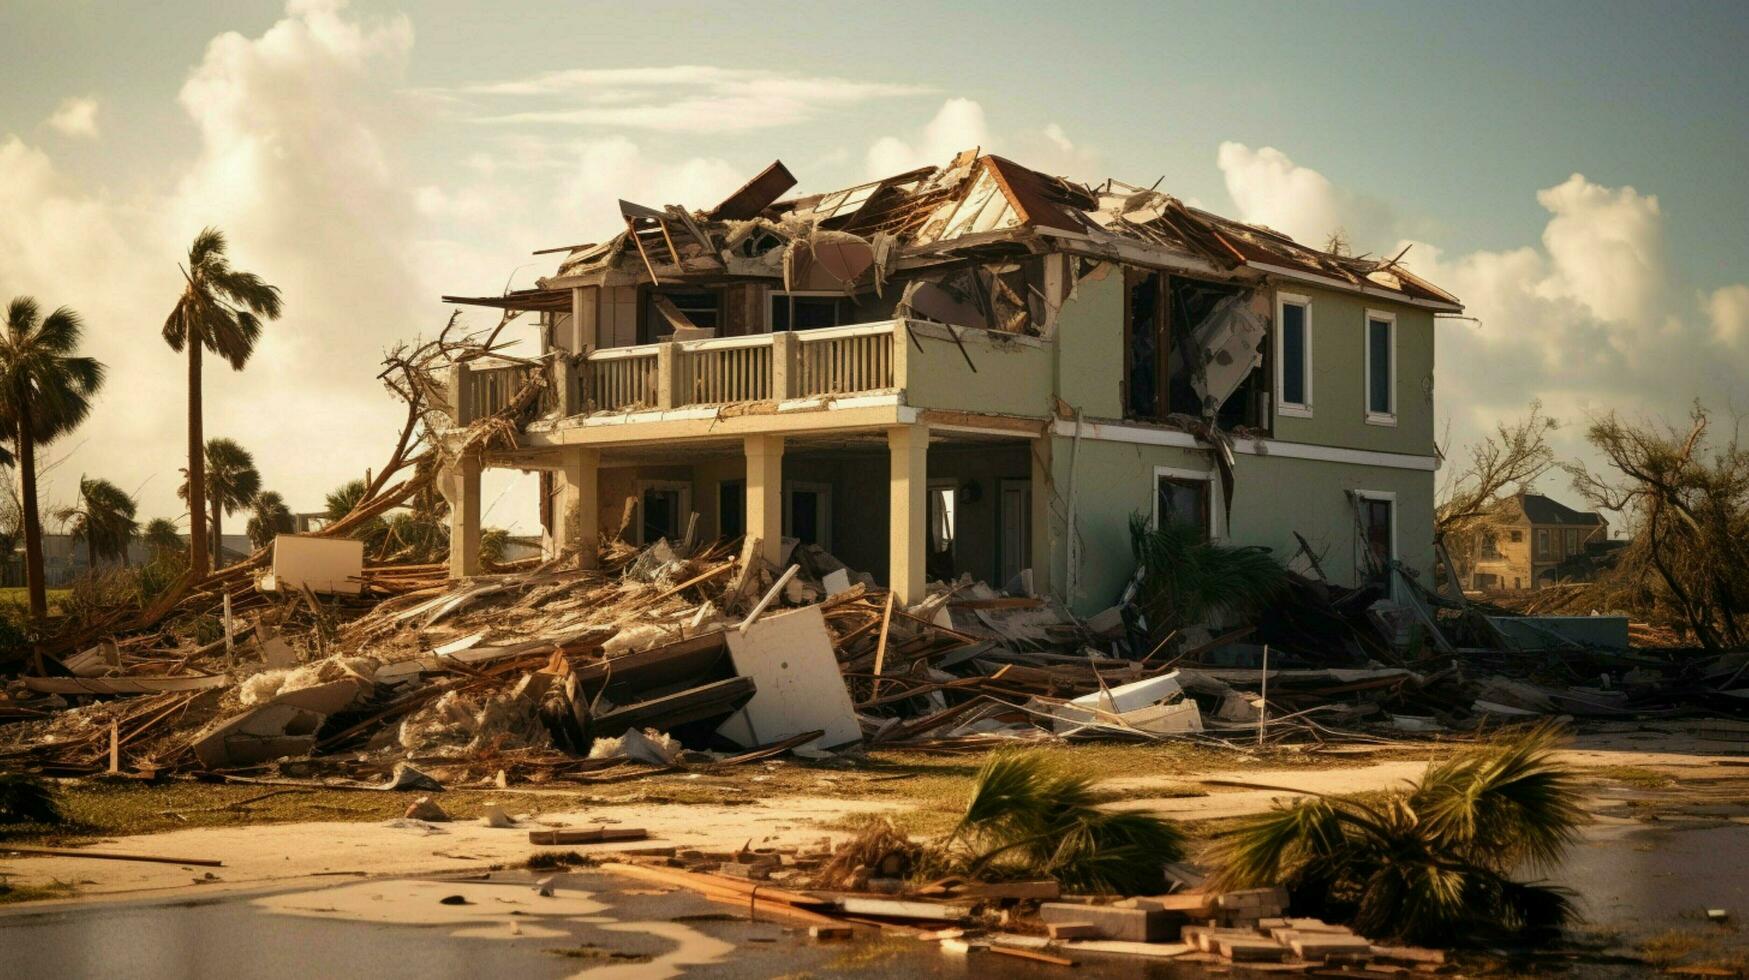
[975,368]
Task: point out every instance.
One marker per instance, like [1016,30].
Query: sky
[1571,171]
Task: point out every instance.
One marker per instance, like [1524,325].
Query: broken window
[943,528]
[807,311]
[664,509]
[731,509]
[1214,340]
[1144,343]
[1293,352]
[1183,500]
[701,307]
[1381,368]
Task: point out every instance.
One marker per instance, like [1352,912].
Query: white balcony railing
[844,360]
[620,378]
[731,369]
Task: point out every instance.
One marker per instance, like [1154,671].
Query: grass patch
[869,952]
[1706,948]
[95,808]
[19,597]
[11,893]
[1636,777]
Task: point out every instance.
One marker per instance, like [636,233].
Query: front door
[1015,540]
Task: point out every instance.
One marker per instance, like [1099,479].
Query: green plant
[220,310]
[45,392]
[1187,580]
[269,516]
[103,519]
[1427,865]
[374,532]
[1028,814]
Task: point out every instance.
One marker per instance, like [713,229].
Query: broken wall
[1273,497]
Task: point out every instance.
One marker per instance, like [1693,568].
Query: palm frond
[249,290]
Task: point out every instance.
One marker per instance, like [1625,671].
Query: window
[1542,542]
[664,510]
[1293,355]
[807,311]
[1145,343]
[1381,368]
[1378,526]
[731,509]
[1186,497]
[807,512]
[1490,545]
[1572,541]
[943,498]
[699,305]
[1517,536]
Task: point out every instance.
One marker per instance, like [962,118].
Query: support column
[908,503]
[765,495]
[464,517]
[577,506]
[1042,535]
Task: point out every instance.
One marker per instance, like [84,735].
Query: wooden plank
[109,855]
[694,704]
[881,646]
[592,835]
[1033,954]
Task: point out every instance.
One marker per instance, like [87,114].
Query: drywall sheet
[798,687]
[323,564]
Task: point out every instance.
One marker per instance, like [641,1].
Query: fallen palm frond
[1027,815]
[1187,580]
[880,850]
[1429,865]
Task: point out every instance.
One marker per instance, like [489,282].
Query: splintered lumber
[109,855]
[881,647]
[753,896]
[1032,954]
[892,908]
[124,685]
[695,704]
[594,835]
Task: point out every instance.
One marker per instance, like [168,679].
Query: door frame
[824,491]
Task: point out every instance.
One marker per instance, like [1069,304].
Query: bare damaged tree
[1510,459]
[1689,501]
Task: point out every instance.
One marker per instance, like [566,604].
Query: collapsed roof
[978,206]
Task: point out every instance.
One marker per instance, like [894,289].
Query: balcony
[923,364]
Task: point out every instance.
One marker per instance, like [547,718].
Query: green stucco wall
[1012,376]
[1273,497]
[1339,377]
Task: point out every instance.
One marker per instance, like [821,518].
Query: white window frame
[772,294]
[952,485]
[685,489]
[1388,496]
[1373,417]
[1283,407]
[1217,528]
[824,490]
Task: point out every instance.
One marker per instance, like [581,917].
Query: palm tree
[1428,865]
[161,537]
[103,519]
[220,310]
[270,517]
[373,532]
[45,392]
[231,484]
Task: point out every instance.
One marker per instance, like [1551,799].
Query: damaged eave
[1375,292]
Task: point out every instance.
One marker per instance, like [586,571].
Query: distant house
[65,559]
[1532,541]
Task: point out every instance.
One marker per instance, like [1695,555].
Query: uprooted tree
[1686,496]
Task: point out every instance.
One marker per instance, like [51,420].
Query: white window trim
[825,491]
[685,490]
[772,294]
[1217,506]
[1372,417]
[1284,407]
[1389,496]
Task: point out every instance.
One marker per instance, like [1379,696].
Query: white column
[577,505]
[765,494]
[464,516]
[908,504]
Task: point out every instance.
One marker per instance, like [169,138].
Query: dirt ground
[1642,773]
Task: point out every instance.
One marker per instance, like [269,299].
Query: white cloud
[1270,189]
[680,98]
[614,167]
[958,125]
[1058,138]
[1608,249]
[1728,309]
[75,117]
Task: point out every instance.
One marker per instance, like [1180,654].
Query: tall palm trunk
[197,546]
[33,531]
[218,540]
